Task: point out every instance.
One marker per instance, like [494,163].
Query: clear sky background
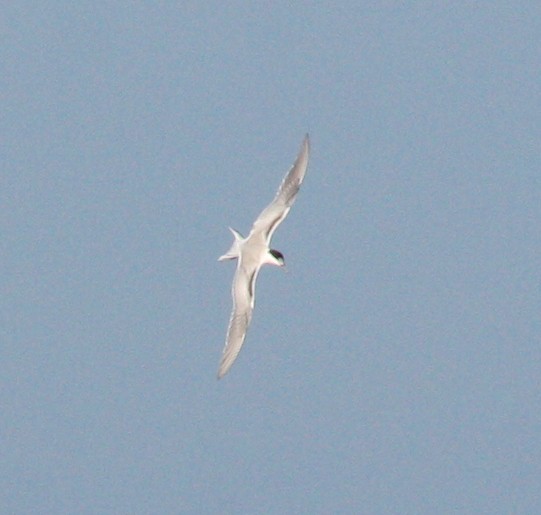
[396,367]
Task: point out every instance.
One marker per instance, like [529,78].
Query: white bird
[253,252]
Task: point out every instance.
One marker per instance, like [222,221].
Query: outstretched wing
[271,217]
[243,293]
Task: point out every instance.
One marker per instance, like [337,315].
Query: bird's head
[276,258]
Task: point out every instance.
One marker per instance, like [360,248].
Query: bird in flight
[253,252]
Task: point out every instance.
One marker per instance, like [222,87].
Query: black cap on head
[277,254]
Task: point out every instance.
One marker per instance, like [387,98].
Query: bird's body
[253,252]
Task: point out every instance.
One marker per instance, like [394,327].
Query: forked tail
[233,252]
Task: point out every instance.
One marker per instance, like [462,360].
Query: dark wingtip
[306,142]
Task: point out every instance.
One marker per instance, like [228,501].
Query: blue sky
[394,369]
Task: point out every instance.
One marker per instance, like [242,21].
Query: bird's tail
[233,252]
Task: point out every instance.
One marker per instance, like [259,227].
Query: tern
[253,252]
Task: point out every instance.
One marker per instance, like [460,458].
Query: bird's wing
[243,293]
[271,217]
